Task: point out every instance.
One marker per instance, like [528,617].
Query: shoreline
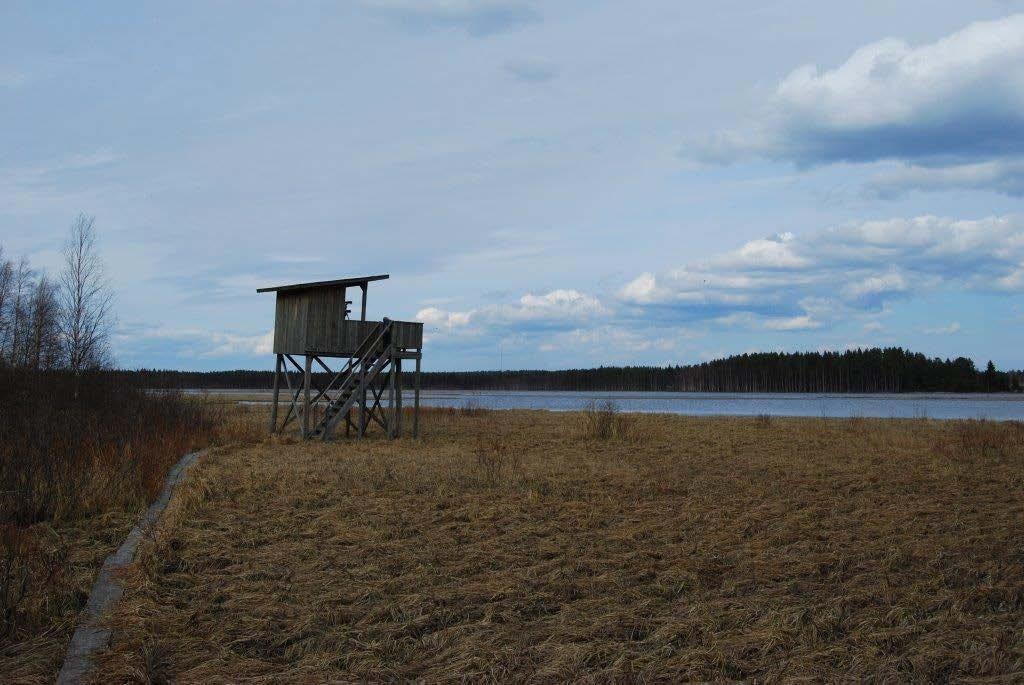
[653,394]
[948,406]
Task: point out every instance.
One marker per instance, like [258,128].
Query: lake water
[1000,407]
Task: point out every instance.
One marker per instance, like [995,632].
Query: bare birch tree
[86,315]
[44,339]
[6,286]
[20,313]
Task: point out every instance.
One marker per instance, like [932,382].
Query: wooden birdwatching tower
[313,321]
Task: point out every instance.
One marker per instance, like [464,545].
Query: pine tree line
[875,370]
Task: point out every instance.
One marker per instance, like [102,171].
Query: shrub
[604,421]
[65,454]
[473,408]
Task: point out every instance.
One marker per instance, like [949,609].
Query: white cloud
[1001,176]
[881,284]
[225,344]
[1013,281]
[793,323]
[197,342]
[644,289]
[557,309]
[767,253]
[957,102]
[556,304]
[623,339]
[802,282]
[439,320]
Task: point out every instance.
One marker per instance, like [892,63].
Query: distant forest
[873,370]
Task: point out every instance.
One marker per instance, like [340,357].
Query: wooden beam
[391,395]
[376,411]
[362,381]
[298,366]
[277,394]
[416,400]
[398,397]
[305,389]
[293,407]
[322,365]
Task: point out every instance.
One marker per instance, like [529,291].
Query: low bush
[497,460]
[604,421]
[67,453]
[472,407]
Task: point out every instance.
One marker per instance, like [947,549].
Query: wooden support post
[293,407]
[398,397]
[307,382]
[416,399]
[277,393]
[362,401]
[391,395]
[363,418]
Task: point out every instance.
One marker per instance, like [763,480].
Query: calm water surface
[999,407]
[934,406]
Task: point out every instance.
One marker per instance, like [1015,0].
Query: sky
[550,185]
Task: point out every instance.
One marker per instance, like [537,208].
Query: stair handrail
[361,356]
[360,359]
[326,426]
[357,358]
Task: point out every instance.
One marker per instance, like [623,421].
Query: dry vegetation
[75,475]
[536,546]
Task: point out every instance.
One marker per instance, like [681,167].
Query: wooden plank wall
[408,334]
[290,323]
[326,318]
[313,320]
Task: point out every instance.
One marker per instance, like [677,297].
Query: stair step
[363,373]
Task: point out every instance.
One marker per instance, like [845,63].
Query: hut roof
[341,282]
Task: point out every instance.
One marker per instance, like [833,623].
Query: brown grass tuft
[604,421]
[473,408]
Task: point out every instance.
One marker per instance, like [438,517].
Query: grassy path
[511,545]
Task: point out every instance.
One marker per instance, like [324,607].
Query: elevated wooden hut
[313,321]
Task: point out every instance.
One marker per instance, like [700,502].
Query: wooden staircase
[373,357]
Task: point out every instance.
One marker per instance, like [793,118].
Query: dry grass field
[551,547]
